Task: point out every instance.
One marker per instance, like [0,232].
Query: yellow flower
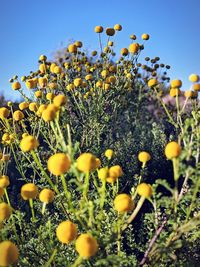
[88,77]
[115,171]
[18,115]
[86,162]
[78,82]
[16,85]
[110,31]
[29,143]
[4,113]
[144,190]
[86,246]
[174,92]
[118,27]
[48,115]
[52,85]
[194,78]
[4,181]
[5,211]
[58,164]
[38,94]
[1,192]
[152,82]
[144,157]
[72,48]
[103,173]
[29,191]
[9,253]
[59,100]
[42,68]
[57,70]
[133,37]
[23,105]
[172,150]
[42,82]
[123,203]
[134,48]
[41,108]
[30,84]
[98,29]
[33,107]
[42,58]
[188,94]
[176,83]
[66,232]
[104,73]
[98,163]
[109,153]
[145,36]
[196,87]
[124,51]
[46,195]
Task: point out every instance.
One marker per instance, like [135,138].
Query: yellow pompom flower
[78,44]
[38,94]
[18,115]
[152,82]
[52,85]
[58,164]
[77,82]
[46,195]
[5,211]
[59,100]
[23,105]
[144,157]
[124,51]
[30,84]
[104,73]
[118,27]
[174,92]
[176,83]
[188,94]
[16,85]
[145,36]
[42,82]
[144,190]
[29,143]
[42,68]
[134,48]
[196,87]
[42,58]
[98,29]
[172,150]
[33,107]
[115,171]
[41,108]
[72,48]
[194,78]
[109,153]
[66,232]
[103,173]
[4,113]
[86,246]
[48,115]
[9,253]
[4,181]
[86,162]
[88,77]
[123,203]
[29,191]
[110,31]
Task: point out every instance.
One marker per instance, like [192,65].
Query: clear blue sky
[30,28]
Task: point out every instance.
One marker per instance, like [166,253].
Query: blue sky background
[30,28]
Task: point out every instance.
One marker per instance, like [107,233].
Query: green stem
[77,262]
[32,209]
[7,197]
[51,258]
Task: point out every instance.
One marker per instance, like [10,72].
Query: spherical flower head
[9,253]
[29,143]
[124,51]
[172,150]
[77,82]
[104,73]
[42,81]
[86,246]
[29,191]
[194,78]
[48,115]
[5,211]
[66,232]
[118,27]
[33,107]
[42,58]
[23,105]
[72,48]
[59,100]
[98,29]
[57,70]
[18,115]
[30,84]
[16,85]
[152,82]
[109,153]
[176,83]
[196,87]
[145,36]
[46,195]
[123,203]
[86,162]
[144,190]
[58,164]
[144,157]
[115,171]
[42,68]
[103,173]
[188,94]
[4,113]
[174,92]
[4,181]
[134,48]
[110,31]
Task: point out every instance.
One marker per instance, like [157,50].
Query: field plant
[99,163]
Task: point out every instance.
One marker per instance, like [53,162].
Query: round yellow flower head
[58,164]
[133,37]
[103,173]
[16,85]
[86,162]
[33,107]
[176,83]
[1,192]
[98,29]
[196,87]
[145,36]
[66,232]
[9,253]
[46,195]
[4,113]
[29,191]
[42,58]
[115,171]
[144,157]
[123,203]
[172,150]
[88,77]
[57,70]
[118,27]
[134,48]
[38,94]
[42,82]
[18,115]
[59,100]
[5,211]
[48,115]
[29,143]
[42,68]
[30,84]
[174,92]
[4,181]
[124,51]
[194,78]
[72,48]
[23,105]
[41,108]
[144,190]
[188,94]
[78,82]
[109,153]
[110,31]
[50,96]
[104,73]
[86,246]
[52,85]
[152,82]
